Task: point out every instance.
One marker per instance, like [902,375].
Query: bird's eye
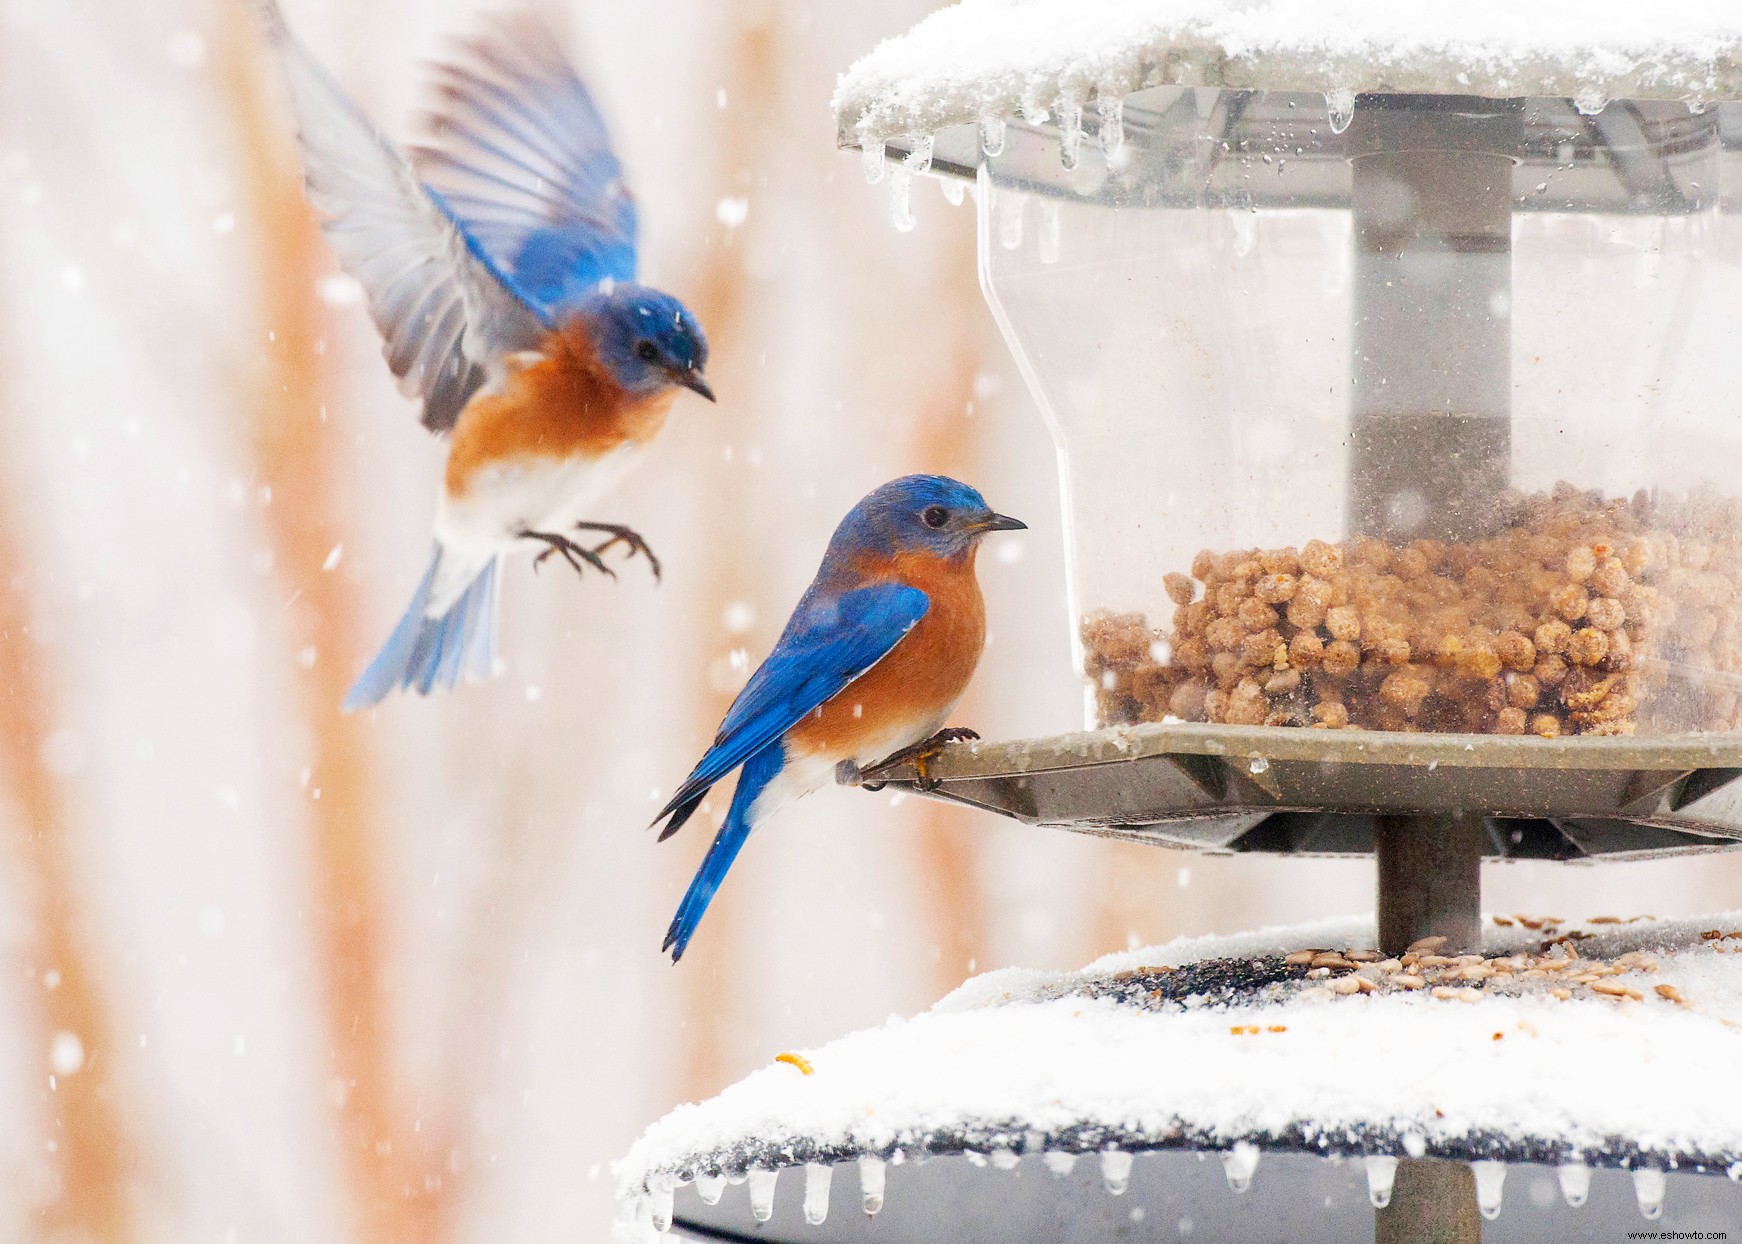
[648,351]
[934,516]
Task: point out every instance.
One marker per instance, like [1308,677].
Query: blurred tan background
[268,973]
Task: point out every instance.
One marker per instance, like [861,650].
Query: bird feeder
[1389,354]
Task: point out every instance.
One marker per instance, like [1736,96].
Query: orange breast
[923,675]
[561,406]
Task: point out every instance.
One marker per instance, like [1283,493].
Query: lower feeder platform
[1568,1065]
[1326,792]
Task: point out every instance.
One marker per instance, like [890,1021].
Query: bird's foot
[626,536]
[578,556]
[921,754]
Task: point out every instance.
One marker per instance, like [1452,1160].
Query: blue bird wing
[447,311]
[521,156]
[830,642]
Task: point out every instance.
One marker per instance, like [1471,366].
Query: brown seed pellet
[1340,658]
[1605,613]
[1321,559]
[1275,589]
[1447,635]
[1611,578]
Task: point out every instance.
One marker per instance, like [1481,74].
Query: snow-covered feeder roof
[1602,1045]
[996,59]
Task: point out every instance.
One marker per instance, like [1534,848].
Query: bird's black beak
[1001,522]
[692,380]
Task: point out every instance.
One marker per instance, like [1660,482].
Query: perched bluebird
[877,653]
[499,263]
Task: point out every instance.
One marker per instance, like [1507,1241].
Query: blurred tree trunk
[398,1175]
[946,441]
[87,1149]
[751,78]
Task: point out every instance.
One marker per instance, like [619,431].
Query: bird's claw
[578,556]
[921,754]
[629,538]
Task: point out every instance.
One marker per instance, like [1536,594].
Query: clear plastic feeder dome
[1406,404]
[1412,415]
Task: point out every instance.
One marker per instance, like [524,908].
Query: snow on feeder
[1070,1108]
[1389,354]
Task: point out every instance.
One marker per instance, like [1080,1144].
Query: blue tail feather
[755,776]
[424,652]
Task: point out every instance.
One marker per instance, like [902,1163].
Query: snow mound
[1602,1043]
[995,59]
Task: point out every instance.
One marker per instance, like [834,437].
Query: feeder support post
[1430,443]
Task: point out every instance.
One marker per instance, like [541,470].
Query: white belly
[506,499]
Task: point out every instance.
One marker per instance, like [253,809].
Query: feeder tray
[1223,1045]
[1321,792]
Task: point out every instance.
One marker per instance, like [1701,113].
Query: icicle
[1381,1175]
[901,198]
[1010,221]
[871,159]
[1490,1180]
[638,1214]
[1697,106]
[919,159]
[1049,231]
[762,1192]
[1059,1162]
[1341,103]
[954,191]
[871,1183]
[1575,1180]
[1414,1144]
[1590,101]
[1115,1171]
[1239,1165]
[1258,764]
[1112,110]
[710,1188]
[659,1196]
[1070,114]
[816,1192]
[975,1159]
[1735,1172]
[1005,1159]
[992,136]
[1648,1189]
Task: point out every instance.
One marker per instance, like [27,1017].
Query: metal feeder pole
[1430,448]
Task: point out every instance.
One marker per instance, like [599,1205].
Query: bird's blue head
[647,340]
[919,514]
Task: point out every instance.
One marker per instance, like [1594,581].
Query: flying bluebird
[877,653]
[499,263]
